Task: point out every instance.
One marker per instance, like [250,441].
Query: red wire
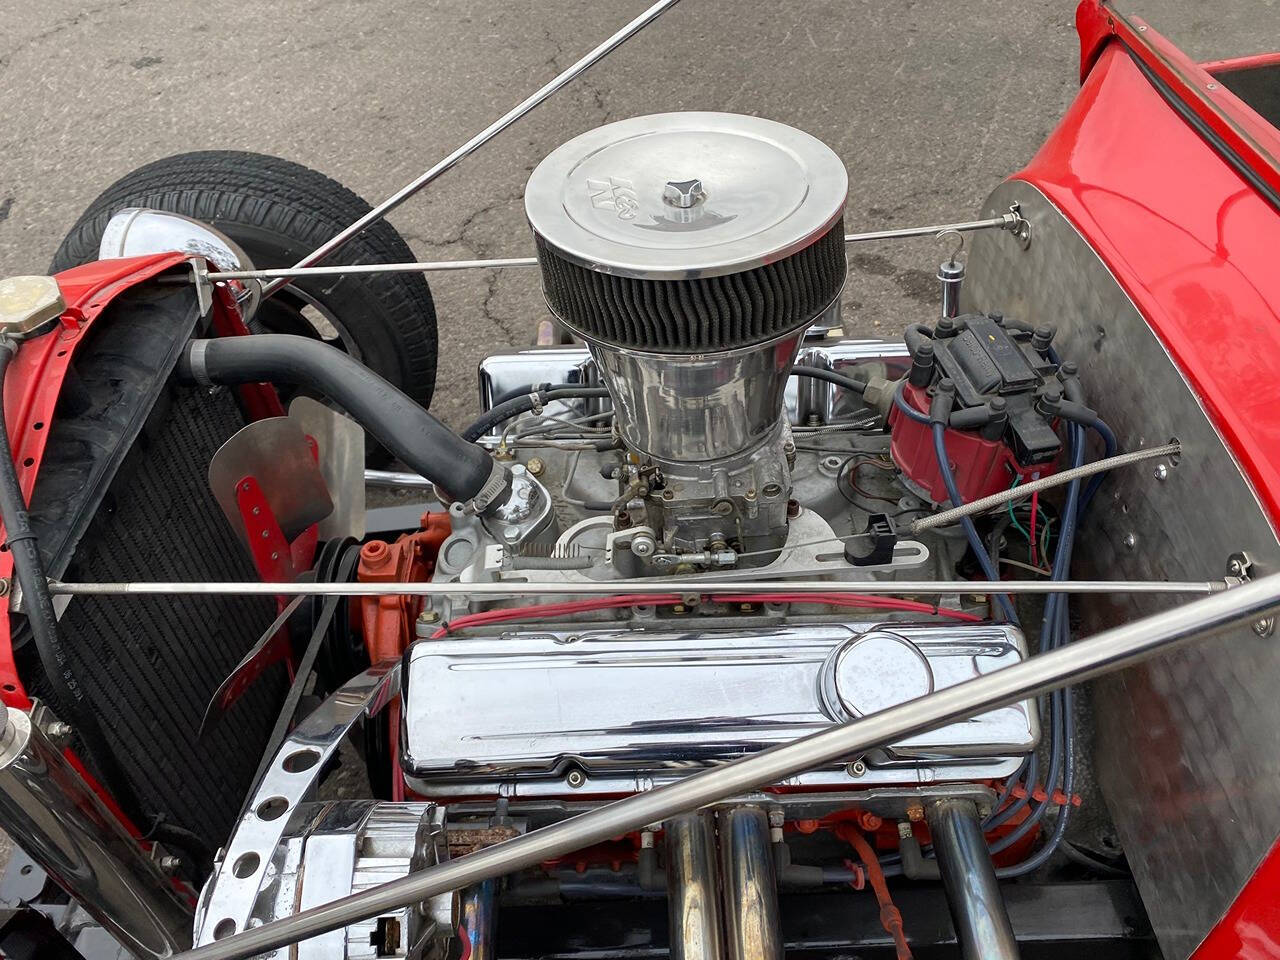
[890,917]
[850,600]
[665,600]
[1035,508]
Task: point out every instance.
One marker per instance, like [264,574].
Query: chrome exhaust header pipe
[693,902]
[753,930]
[969,878]
[1105,652]
[63,825]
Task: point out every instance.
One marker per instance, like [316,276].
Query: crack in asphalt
[62,26]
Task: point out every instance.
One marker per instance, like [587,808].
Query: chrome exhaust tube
[478,920]
[62,825]
[969,878]
[693,904]
[752,927]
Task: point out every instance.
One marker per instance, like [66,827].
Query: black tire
[278,211]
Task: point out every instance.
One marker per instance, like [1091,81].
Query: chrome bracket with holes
[227,903]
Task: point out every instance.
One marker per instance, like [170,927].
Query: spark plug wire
[835,599]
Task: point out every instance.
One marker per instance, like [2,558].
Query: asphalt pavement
[930,103]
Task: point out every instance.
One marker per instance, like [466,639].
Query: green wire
[1017,526]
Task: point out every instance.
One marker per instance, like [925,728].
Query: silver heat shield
[619,711]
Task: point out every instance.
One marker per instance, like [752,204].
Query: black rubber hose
[69,699]
[839,379]
[504,411]
[412,434]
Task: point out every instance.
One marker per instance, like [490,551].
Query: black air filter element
[122,495]
[684,233]
[700,315]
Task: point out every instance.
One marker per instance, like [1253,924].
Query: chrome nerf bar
[1103,653]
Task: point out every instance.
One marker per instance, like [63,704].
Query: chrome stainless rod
[944,517]
[481,138]
[1103,653]
[432,266]
[1006,221]
[345,269]
[648,587]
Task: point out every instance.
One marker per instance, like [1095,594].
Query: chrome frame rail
[1102,653]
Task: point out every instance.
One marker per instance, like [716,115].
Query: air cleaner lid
[685,195]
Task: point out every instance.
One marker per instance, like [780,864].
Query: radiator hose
[412,434]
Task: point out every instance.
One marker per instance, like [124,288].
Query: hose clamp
[197,362]
[494,487]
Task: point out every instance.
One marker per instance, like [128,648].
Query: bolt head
[169,864]
[1162,472]
[576,778]
[536,466]
[684,193]
[1130,540]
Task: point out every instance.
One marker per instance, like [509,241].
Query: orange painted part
[890,916]
[387,621]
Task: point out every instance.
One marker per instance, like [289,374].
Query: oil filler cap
[29,306]
[872,672]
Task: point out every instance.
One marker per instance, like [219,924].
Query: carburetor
[691,251]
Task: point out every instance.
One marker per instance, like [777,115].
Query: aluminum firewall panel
[1188,751]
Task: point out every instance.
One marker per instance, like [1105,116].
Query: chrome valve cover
[619,711]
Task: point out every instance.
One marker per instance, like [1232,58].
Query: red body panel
[1191,242]
[1251,928]
[1249,135]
